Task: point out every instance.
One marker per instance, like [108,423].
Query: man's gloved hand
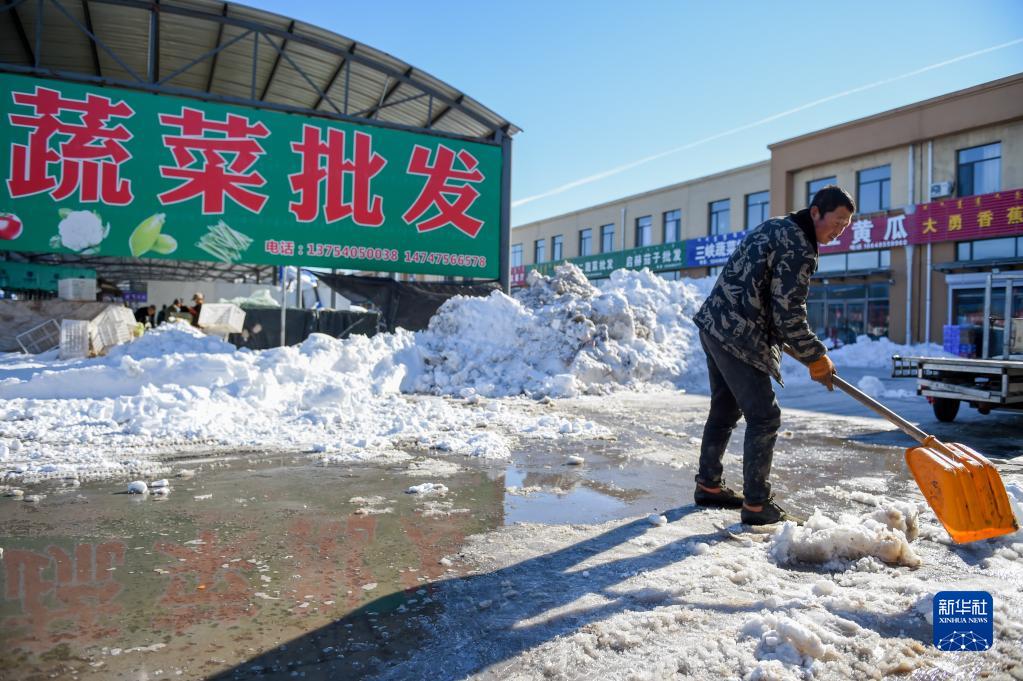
[821,370]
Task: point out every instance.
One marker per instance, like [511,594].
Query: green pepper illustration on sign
[147,237]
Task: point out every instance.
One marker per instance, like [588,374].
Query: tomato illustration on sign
[10,226]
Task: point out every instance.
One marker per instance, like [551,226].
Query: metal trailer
[986,383]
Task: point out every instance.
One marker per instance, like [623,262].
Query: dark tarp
[262,328]
[409,305]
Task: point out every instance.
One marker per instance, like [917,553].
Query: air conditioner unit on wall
[940,189]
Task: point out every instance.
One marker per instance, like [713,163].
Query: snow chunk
[138,487]
[850,538]
[784,638]
[428,488]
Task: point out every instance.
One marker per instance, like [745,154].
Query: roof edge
[891,113]
[649,192]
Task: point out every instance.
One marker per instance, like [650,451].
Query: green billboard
[660,258]
[98,170]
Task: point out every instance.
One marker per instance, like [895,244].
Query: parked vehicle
[994,380]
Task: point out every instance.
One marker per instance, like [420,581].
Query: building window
[854,261]
[758,204]
[557,247]
[586,241]
[672,226]
[720,217]
[539,251]
[516,255]
[839,313]
[990,249]
[644,231]
[873,189]
[814,186]
[607,238]
[979,170]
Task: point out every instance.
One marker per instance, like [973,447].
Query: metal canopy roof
[230,53]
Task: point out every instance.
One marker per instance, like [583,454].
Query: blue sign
[710,251]
[963,620]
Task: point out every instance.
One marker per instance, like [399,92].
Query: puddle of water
[571,503]
[252,554]
[104,585]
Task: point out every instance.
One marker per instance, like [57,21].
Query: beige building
[960,154]
[716,204]
[939,192]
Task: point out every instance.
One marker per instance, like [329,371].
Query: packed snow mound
[107,416]
[562,336]
[874,387]
[884,534]
[174,338]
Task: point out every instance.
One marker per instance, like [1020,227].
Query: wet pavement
[256,551]
[275,566]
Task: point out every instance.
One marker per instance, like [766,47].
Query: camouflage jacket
[759,300]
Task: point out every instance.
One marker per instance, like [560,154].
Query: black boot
[770,514]
[726,498]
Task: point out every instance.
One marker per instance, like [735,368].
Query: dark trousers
[738,389]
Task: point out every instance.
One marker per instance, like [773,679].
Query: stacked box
[961,340]
[950,338]
[74,338]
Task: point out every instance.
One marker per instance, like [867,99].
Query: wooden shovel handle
[869,402]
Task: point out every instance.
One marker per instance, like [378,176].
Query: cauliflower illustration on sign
[80,231]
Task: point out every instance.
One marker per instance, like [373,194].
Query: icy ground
[688,599]
[452,388]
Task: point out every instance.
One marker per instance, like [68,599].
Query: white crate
[112,327]
[45,336]
[74,338]
[77,289]
[221,318]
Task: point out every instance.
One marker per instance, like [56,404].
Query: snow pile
[874,387]
[177,388]
[563,336]
[354,399]
[865,353]
[884,534]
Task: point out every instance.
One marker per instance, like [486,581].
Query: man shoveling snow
[757,304]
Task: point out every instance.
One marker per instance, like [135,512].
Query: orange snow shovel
[962,487]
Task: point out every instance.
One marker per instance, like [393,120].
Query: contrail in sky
[622,168]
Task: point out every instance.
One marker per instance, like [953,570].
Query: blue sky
[599,85]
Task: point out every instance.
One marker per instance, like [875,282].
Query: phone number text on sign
[458,259]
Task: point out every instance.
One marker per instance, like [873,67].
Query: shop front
[987,231]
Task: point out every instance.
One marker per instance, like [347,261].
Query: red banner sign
[518,276]
[971,217]
[870,232]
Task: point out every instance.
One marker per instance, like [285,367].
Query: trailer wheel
[945,409]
